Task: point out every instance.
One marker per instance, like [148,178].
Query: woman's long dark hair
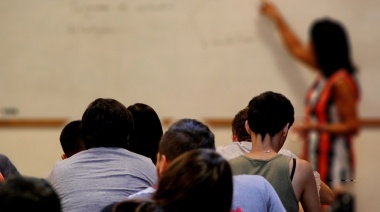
[331,47]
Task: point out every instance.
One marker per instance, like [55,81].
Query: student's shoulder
[144,194]
[250,177]
[240,146]
[304,169]
[287,152]
[303,165]
[239,158]
[239,162]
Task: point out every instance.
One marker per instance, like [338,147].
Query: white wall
[188,58]
[35,151]
[206,57]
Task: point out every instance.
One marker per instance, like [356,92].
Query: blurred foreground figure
[19,194]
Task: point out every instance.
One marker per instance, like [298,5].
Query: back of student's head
[238,126]
[28,194]
[269,112]
[71,138]
[198,180]
[185,135]
[147,131]
[106,123]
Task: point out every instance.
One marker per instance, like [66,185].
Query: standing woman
[331,117]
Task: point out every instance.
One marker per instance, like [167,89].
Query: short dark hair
[184,135]
[71,138]
[106,123]
[269,112]
[147,131]
[28,194]
[238,125]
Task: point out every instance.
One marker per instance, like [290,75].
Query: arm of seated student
[304,186]
[326,195]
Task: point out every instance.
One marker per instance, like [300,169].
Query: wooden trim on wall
[369,123]
[166,121]
[219,122]
[227,122]
[32,122]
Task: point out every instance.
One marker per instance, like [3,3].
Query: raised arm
[293,44]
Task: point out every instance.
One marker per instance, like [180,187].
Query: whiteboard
[187,58]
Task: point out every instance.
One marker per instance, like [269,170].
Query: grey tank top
[275,170]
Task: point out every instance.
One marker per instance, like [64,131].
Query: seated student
[241,138]
[19,193]
[210,188]
[270,115]
[7,169]
[105,172]
[242,144]
[71,139]
[147,131]
[189,134]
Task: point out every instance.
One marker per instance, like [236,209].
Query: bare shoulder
[303,169]
[304,165]
[302,178]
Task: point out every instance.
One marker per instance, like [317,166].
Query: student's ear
[63,156]
[157,158]
[234,138]
[161,164]
[247,127]
[285,130]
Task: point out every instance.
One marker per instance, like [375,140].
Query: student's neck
[262,148]
[262,154]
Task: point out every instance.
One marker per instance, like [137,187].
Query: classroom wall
[188,58]
[35,151]
[197,58]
